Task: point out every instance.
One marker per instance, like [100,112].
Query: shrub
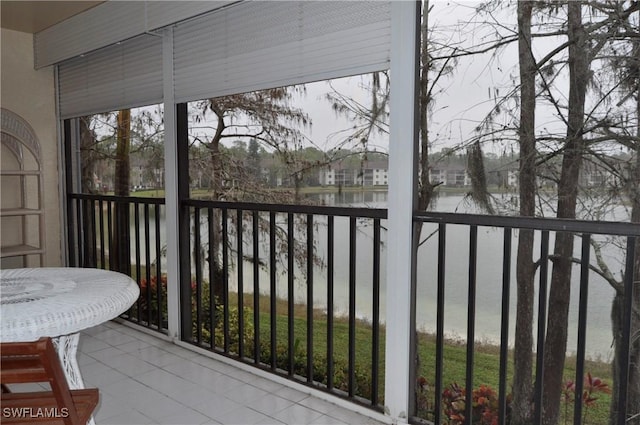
[149,312]
[484,409]
[234,329]
[149,302]
[592,386]
[362,384]
[484,398]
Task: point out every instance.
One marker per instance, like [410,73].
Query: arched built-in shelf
[21,210]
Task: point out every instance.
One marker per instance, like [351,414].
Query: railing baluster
[542,319]
[101,219]
[239,265]
[310,253]
[272,286]
[352,305]
[225,277]
[94,232]
[185,281]
[375,320]
[72,230]
[112,260]
[625,343]
[442,245]
[80,233]
[213,268]
[582,326]
[159,282]
[471,318]
[147,251]
[136,221]
[504,326]
[256,288]
[290,295]
[197,254]
[330,270]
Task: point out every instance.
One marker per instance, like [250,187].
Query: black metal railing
[432,394]
[297,290]
[124,234]
[263,285]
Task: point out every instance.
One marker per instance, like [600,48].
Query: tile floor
[146,380]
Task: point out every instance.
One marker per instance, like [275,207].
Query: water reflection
[489,272]
[373,199]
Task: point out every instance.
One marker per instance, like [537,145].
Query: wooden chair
[29,362]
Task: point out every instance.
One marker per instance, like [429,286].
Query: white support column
[171,187]
[402,196]
[63,169]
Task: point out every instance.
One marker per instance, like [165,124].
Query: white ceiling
[34,16]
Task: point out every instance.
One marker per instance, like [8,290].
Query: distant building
[450,175]
[374,173]
[512,179]
[594,175]
[366,173]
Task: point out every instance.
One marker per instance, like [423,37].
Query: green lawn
[486,364]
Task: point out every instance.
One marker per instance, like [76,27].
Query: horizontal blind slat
[258,45]
[123,75]
[243,47]
[112,22]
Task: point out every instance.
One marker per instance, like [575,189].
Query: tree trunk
[87,145]
[525,270]
[122,255]
[216,159]
[297,182]
[633,396]
[560,290]
[425,188]
[216,195]
[617,309]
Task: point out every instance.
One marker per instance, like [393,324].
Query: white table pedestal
[67,349]
[59,303]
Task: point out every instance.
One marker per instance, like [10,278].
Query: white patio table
[59,303]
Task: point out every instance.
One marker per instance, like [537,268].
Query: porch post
[171,187]
[403,155]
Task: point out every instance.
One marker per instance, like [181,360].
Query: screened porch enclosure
[204,50]
[258,282]
[297,331]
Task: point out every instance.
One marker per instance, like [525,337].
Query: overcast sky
[464,98]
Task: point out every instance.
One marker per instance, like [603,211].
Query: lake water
[489,275]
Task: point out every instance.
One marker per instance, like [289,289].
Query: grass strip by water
[486,355]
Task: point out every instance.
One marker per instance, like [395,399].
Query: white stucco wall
[31,95]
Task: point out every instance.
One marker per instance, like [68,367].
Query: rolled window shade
[257,45]
[111,22]
[243,47]
[124,75]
